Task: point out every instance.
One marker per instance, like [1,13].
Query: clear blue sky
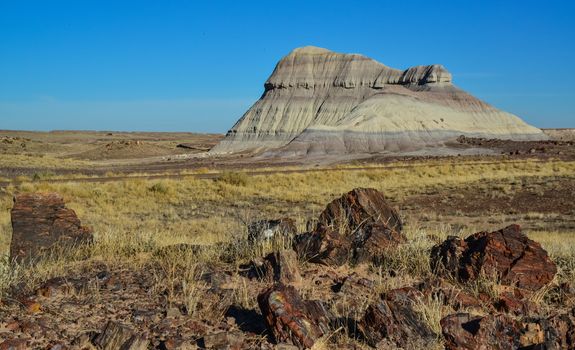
[197,66]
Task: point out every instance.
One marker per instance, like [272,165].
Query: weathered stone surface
[358,226]
[323,246]
[352,295]
[281,266]
[321,102]
[532,336]
[283,229]
[14,344]
[449,294]
[118,336]
[465,331]
[506,254]
[358,209]
[554,332]
[395,318]
[291,319]
[513,304]
[39,221]
[223,341]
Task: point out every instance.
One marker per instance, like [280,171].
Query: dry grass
[134,220]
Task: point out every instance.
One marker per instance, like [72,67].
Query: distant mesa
[320,102]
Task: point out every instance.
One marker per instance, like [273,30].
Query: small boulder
[281,266]
[323,246]
[507,254]
[394,318]
[291,319]
[357,227]
[39,222]
[265,230]
[118,336]
[360,208]
[491,332]
[513,303]
[554,332]
[352,295]
[14,344]
[449,294]
[223,340]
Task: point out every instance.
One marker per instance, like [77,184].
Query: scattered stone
[283,346]
[464,331]
[173,312]
[223,341]
[14,344]
[31,305]
[118,336]
[532,335]
[449,294]
[177,344]
[352,296]
[279,266]
[395,318]
[562,294]
[265,230]
[39,222]
[358,226]
[57,346]
[291,319]
[217,280]
[558,330]
[323,246]
[84,340]
[506,254]
[359,209]
[512,304]
[54,287]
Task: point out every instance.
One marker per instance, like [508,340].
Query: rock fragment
[118,336]
[507,254]
[223,341]
[491,332]
[278,229]
[40,221]
[394,318]
[359,226]
[281,266]
[290,319]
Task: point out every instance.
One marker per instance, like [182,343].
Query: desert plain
[177,261]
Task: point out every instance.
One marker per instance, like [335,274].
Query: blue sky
[197,66]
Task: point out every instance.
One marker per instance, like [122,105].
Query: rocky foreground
[489,290]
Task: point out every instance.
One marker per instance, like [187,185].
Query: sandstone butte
[319,102]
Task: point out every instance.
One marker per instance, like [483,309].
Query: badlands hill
[320,102]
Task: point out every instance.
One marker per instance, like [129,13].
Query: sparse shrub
[159,188]
[9,274]
[42,176]
[233,178]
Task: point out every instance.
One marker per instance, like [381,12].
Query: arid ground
[148,196]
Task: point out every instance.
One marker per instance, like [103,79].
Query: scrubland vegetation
[136,221]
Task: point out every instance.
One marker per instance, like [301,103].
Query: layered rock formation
[319,101]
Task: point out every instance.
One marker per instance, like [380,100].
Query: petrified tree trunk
[39,222]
